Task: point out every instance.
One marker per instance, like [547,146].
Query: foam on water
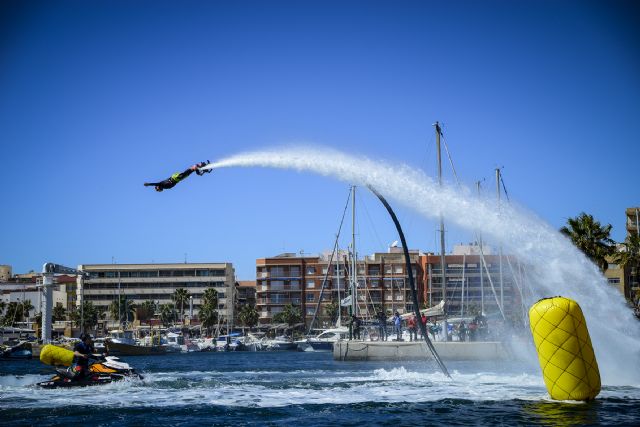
[258,389]
[555,266]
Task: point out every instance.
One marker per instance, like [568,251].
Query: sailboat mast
[480,263]
[354,277]
[500,246]
[442,248]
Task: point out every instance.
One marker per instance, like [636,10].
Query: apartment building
[158,282]
[476,281]
[632,220]
[383,283]
[291,279]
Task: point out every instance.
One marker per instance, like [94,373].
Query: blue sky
[98,97]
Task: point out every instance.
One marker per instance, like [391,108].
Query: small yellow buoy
[564,348]
[56,356]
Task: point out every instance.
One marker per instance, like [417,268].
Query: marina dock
[401,350]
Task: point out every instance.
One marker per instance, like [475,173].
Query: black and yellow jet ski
[102,370]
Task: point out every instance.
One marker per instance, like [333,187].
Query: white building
[157,283]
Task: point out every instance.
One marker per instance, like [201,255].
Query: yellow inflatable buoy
[564,348]
[56,356]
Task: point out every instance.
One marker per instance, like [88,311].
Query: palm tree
[290,315]
[180,296]
[167,314]
[146,311]
[122,309]
[59,312]
[248,316]
[629,259]
[87,318]
[12,315]
[208,315]
[591,238]
[210,297]
[25,308]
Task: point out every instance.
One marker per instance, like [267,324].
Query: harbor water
[305,388]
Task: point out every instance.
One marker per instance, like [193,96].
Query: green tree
[208,316]
[59,312]
[331,310]
[248,316]
[290,315]
[210,297]
[122,309]
[89,314]
[591,238]
[208,312]
[3,305]
[25,308]
[146,310]
[167,314]
[629,259]
[12,315]
[180,297]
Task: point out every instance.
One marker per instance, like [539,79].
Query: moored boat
[21,350]
[323,341]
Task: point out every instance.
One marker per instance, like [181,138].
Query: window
[612,266]
[277,285]
[277,271]
[310,297]
[614,280]
[375,283]
[311,284]
[294,285]
[278,299]
[311,270]
[295,271]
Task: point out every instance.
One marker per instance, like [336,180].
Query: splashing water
[555,266]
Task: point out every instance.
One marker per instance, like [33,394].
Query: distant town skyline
[99,97]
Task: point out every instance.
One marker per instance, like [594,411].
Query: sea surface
[304,389]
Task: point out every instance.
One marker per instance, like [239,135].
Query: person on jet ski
[177,177]
[81,354]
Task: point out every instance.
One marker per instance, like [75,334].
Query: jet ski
[103,370]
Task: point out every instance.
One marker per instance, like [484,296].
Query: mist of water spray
[555,266]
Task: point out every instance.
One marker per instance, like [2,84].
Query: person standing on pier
[412,323]
[355,326]
[397,322]
[382,326]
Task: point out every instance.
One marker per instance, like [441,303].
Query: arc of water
[557,266]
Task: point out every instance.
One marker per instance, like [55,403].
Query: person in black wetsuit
[81,353]
[177,177]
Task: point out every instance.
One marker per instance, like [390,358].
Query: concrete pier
[401,350]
